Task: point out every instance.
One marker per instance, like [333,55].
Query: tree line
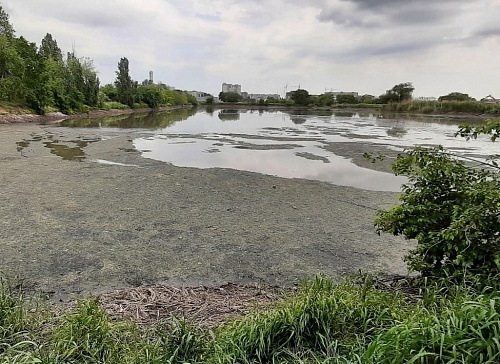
[45,79]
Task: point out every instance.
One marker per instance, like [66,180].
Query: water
[286,144]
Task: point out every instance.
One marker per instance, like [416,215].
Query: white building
[200,96]
[263,96]
[228,87]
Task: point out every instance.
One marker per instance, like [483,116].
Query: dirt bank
[69,227]
[8,118]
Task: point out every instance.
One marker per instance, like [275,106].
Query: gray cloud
[387,12]
[488,32]
[362,45]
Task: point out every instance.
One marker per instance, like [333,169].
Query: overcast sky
[441,46]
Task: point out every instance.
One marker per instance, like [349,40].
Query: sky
[367,46]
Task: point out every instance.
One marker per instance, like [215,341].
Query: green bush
[451,209]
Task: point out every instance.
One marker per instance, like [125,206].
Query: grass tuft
[323,322]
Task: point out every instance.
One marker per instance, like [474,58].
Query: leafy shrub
[451,209]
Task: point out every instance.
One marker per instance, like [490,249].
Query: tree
[301,97]
[456,96]
[229,96]
[34,78]
[124,84]
[399,93]
[49,48]
[11,69]
[110,91]
[91,82]
[450,208]
[346,99]
[6,28]
[325,99]
[151,95]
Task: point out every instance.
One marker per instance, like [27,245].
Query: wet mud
[81,213]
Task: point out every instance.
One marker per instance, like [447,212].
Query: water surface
[286,144]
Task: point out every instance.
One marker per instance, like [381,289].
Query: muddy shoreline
[70,228]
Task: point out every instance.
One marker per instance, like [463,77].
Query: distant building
[289,95]
[200,96]
[263,96]
[228,87]
[490,99]
[342,93]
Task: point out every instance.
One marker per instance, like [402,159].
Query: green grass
[114,105]
[350,322]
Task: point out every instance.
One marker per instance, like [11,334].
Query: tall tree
[6,28]
[49,48]
[124,84]
[34,78]
[399,93]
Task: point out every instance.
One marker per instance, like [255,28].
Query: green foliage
[6,28]
[428,107]
[325,99]
[301,97]
[451,209]
[191,99]
[462,327]
[399,93]
[321,317]
[151,95]
[49,49]
[323,322]
[491,127]
[179,342]
[229,96]
[124,84]
[41,79]
[88,335]
[346,99]
[11,313]
[456,96]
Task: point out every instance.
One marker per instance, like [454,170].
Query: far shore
[54,117]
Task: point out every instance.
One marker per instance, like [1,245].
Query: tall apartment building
[228,87]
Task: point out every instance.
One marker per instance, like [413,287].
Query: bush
[451,209]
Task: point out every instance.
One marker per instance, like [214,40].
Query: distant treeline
[44,79]
[439,107]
